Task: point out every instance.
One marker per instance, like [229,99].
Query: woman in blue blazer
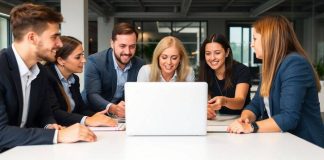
[287,97]
[65,84]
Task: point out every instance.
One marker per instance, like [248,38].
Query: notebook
[220,123]
[119,127]
[166,108]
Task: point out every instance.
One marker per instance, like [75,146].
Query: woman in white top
[169,63]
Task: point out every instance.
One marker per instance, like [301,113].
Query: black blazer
[100,78]
[11,106]
[60,112]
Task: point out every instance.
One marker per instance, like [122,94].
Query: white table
[116,145]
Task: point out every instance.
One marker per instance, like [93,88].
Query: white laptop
[166,108]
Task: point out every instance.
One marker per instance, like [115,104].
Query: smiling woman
[228,80]
[65,84]
[169,63]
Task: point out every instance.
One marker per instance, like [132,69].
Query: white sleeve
[144,74]
[191,75]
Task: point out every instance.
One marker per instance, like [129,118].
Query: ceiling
[193,9]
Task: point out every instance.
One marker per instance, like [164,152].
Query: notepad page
[119,127]
[216,129]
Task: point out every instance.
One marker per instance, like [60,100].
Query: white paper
[222,120]
[226,117]
[120,127]
[211,129]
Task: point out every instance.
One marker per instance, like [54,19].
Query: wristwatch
[255,127]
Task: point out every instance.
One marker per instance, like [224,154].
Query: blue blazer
[293,99]
[101,78]
[11,106]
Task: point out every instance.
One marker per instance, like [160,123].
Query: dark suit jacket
[101,78]
[293,99]
[60,112]
[11,106]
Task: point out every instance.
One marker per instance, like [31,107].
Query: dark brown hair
[33,17]
[69,45]
[123,29]
[205,71]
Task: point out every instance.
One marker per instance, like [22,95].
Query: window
[240,38]
[4,31]
[191,34]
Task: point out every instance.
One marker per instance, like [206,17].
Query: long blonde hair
[183,68]
[278,39]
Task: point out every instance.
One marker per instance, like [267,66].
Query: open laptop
[166,108]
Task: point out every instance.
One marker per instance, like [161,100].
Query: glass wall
[191,34]
[4,32]
[240,38]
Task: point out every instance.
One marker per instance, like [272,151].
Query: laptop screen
[166,108]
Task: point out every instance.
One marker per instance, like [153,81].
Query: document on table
[220,123]
[222,119]
[119,119]
[216,129]
[119,127]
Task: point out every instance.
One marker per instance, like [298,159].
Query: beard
[45,54]
[119,59]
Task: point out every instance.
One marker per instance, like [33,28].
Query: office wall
[312,37]
[105,27]
[308,33]
[75,13]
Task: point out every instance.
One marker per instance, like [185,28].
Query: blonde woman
[169,63]
[287,98]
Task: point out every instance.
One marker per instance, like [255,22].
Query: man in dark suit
[25,98]
[107,71]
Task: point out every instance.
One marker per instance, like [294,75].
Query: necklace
[220,88]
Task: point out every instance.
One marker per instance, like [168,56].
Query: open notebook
[119,127]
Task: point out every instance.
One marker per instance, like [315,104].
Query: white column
[105,27]
[75,14]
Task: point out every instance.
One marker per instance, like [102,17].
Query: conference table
[116,145]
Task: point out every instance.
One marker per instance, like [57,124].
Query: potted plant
[320,68]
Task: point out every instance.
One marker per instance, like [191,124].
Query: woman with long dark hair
[228,80]
[65,84]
